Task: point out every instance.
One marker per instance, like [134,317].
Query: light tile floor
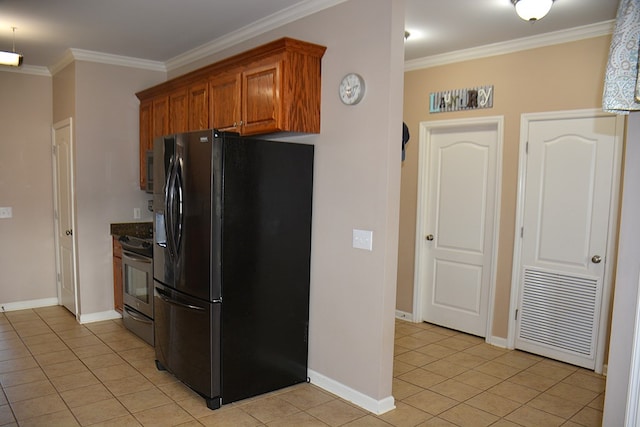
[55,372]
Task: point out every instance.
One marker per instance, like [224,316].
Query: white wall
[27,260]
[626,286]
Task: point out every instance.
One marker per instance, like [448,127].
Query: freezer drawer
[187,341]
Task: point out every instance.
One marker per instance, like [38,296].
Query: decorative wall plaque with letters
[461,99]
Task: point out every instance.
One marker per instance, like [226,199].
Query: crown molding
[261,26]
[66,59]
[73,54]
[27,69]
[516,45]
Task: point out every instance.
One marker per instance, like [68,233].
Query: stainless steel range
[137,280]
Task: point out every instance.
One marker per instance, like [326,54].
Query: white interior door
[458,217]
[571,171]
[64,214]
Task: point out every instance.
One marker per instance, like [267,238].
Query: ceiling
[161,30]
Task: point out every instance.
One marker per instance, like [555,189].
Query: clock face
[351,89]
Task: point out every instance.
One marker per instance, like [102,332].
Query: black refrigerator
[232,242]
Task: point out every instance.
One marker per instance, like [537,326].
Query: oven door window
[135,283]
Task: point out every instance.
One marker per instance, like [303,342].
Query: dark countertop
[136,229]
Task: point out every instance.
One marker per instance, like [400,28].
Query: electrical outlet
[363,239]
[6,212]
[136,213]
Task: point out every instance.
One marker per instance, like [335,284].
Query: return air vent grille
[559,311]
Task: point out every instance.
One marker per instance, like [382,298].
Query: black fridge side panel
[266,260]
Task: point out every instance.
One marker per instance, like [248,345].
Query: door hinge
[526,148]
[521,232]
[516,314]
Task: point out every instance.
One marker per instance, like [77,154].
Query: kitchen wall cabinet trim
[275,87]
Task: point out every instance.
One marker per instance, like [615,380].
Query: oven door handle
[171,301]
[135,316]
[134,257]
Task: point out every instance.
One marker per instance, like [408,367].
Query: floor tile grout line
[49,378]
[521,370]
[58,392]
[537,363]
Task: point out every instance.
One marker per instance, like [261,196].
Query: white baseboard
[376,406]
[498,342]
[23,305]
[100,316]
[403,315]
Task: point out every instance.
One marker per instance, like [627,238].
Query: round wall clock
[351,89]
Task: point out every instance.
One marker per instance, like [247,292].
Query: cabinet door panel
[261,90]
[160,116]
[225,102]
[178,111]
[198,107]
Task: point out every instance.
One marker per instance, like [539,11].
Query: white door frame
[516,286]
[59,125]
[421,270]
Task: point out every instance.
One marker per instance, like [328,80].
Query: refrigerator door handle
[177,225]
[171,301]
[169,204]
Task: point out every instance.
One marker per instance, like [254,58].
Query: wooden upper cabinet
[178,111]
[160,116]
[271,88]
[224,100]
[261,99]
[199,106]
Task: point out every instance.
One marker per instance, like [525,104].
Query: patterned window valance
[621,85]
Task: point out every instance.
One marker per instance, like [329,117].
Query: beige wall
[560,77]
[27,267]
[101,99]
[356,185]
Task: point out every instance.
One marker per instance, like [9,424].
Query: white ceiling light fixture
[532,10]
[12,58]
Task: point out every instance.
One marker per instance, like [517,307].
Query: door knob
[429,237]
[596,259]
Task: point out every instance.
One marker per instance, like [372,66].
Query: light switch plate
[6,212]
[363,239]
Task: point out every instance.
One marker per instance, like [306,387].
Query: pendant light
[532,10]
[12,58]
